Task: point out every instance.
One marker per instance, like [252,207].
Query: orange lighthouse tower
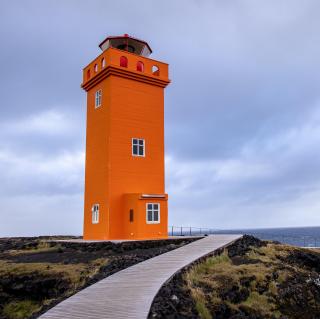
[125,175]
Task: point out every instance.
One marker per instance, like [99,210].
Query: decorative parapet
[125,64]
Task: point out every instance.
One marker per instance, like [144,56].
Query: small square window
[98,97]
[95,213]
[138,147]
[153,213]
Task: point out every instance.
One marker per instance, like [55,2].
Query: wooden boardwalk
[129,293]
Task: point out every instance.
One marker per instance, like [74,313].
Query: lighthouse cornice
[126,65]
[124,73]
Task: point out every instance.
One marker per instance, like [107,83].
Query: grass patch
[42,246]
[269,253]
[200,302]
[201,273]
[213,282]
[259,280]
[20,309]
[76,273]
[257,301]
[199,276]
[263,304]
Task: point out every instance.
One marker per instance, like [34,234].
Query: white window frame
[152,211]
[95,213]
[138,145]
[103,62]
[98,98]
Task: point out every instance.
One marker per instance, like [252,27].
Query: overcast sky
[242,111]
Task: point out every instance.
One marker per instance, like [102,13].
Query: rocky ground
[36,274]
[249,279]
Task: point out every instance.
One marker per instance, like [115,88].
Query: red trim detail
[125,73]
[123,61]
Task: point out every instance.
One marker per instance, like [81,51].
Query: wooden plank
[129,293]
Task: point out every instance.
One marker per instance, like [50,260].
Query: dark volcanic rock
[168,305]
[242,245]
[34,285]
[298,293]
[74,252]
[223,311]
[308,259]
[25,243]
[243,260]
[290,289]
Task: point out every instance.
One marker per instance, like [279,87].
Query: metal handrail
[302,241]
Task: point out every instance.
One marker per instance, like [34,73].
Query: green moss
[261,303]
[20,309]
[75,275]
[273,288]
[218,259]
[212,263]
[41,247]
[212,278]
[257,300]
[200,302]
[203,311]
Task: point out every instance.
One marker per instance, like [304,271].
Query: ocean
[298,236]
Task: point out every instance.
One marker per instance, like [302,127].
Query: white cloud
[47,122]
[34,215]
[34,173]
[35,170]
[41,195]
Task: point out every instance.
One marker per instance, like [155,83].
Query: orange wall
[97,158]
[139,229]
[137,111]
[132,107]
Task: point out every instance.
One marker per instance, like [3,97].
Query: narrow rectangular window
[138,147]
[131,215]
[95,213]
[98,97]
[153,213]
